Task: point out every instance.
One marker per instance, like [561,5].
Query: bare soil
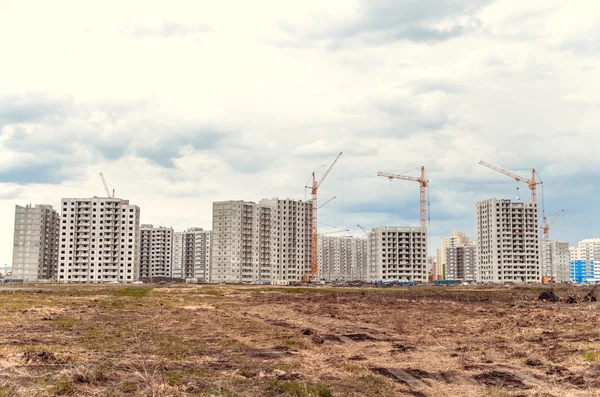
[282,341]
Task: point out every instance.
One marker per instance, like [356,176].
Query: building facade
[397,254]
[583,260]
[461,262]
[555,261]
[508,245]
[291,238]
[35,249]
[242,249]
[194,245]
[342,258]
[99,241]
[156,251]
[455,240]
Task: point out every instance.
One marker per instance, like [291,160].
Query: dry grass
[252,341]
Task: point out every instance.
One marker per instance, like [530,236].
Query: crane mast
[314,190]
[547,226]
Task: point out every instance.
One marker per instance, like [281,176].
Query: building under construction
[342,258]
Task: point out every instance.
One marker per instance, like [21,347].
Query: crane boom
[314,189]
[547,225]
[363,229]
[423,192]
[105,185]
[326,202]
[532,183]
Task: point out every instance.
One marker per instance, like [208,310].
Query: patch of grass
[66,323]
[176,378]
[496,392]
[296,344]
[298,388]
[591,356]
[64,387]
[136,292]
[8,391]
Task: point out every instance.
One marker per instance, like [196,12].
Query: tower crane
[326,202]
[532,183]
[423,182]
[314,189]
[546,226]
[363,229]
[106,187]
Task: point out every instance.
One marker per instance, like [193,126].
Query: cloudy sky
[183,103]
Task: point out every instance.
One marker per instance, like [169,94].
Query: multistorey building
[555,261]
[291,238]
[35,250]
[397,254]
[191,254]
[584,259]
[461,262]
[156,251]
[508,245]
[454,240]
[99,241]
[342,258]
[242,242]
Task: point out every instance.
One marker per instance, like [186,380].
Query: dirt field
[256,341]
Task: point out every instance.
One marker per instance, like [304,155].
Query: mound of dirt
[548,296]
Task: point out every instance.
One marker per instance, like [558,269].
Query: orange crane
[532,183]
[547,225]
[423,182]
[314,189]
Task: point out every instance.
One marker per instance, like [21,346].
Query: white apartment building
[456,239]
[156,251]
[99,241]
[556,261]
[508,244]
[242,249]
[342,258]
[191,256]
[585,261]
[461,262]
[35,249]
[397,254]
[291,237]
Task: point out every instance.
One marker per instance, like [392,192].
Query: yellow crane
[546,226]
[532,183]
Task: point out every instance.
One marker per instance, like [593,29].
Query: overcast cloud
[184,103]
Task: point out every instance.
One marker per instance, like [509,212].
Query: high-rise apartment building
[191,254]
[555,261]
[397,254]
[584,259]
[508,245]
[461,262]
[456,239]
[156,251]
[291,237]
[342,258]
[99,241]
[242,248]
[35,250]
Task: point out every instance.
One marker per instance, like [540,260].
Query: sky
[184,103]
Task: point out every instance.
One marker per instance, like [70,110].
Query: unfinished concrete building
[454,240]
[342,258]
[507,242]
[156,251]
[191,254]
[397,254]
[241,243]
[555,261]
[461,262]
[35,249]
[100,241]
[292,238]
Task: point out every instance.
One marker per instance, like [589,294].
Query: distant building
[455,240]
[507,242]
[584,258]
[156,251]
[397,254]
[270,240]
[192,254]
[342,258]
[35,249]
[100,241]
[461,262]
[555,261]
